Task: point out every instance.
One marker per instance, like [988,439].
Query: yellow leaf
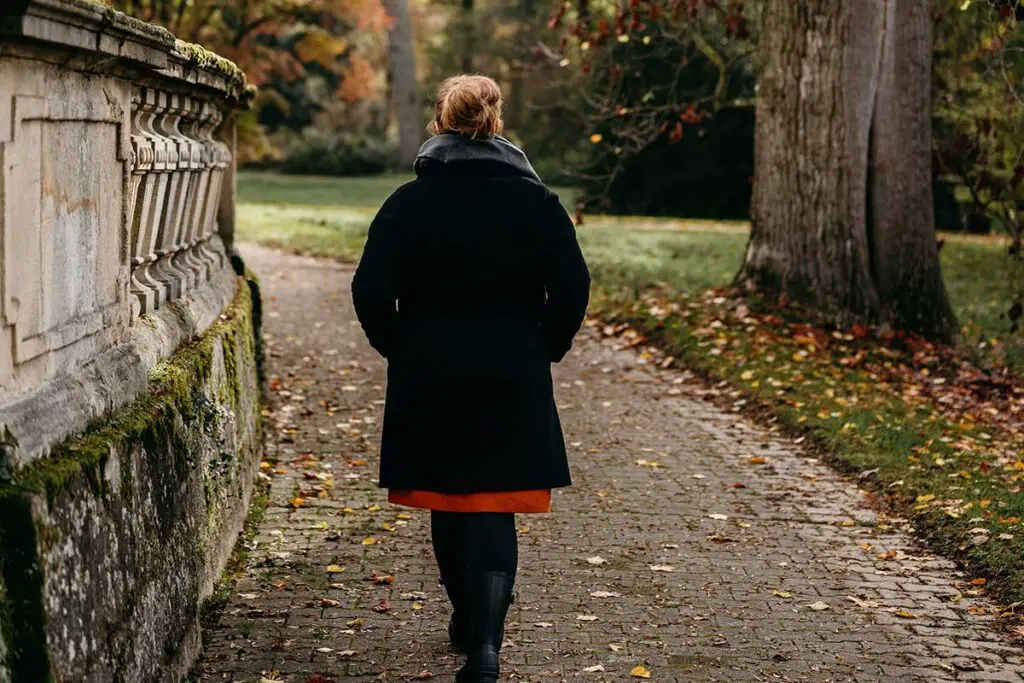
[321,525]
[640,671]
[906,614]
[298,502]
[265,465]
[369,540]
[417,605]
[387,527]
[354,623]
[402,515]
[335,569]
[783,594]
[373,508]
[749,374]
[596,138]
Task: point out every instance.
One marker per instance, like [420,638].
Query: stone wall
[129,357]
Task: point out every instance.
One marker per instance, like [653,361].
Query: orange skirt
[504,501]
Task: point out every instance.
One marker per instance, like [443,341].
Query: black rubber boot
[488,595]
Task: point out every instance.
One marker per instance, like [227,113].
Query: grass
[938,438]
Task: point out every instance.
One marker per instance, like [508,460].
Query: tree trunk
[902,230]
[402,83]
[467,36]
[827,231]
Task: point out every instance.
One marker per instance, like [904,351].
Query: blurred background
[585,98]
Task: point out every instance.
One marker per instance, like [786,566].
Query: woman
[471,284]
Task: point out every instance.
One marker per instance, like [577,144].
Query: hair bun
[468,105]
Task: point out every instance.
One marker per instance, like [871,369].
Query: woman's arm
[375,285]
[566,280]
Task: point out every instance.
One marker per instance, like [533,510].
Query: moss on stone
[174,411]
[213,62]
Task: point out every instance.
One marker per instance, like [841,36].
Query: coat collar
[450,148]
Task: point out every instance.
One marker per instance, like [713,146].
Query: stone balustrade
[129,344]
[117,196]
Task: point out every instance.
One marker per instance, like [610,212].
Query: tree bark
[402,83]
[902,230]
[828,231]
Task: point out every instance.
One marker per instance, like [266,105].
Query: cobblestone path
[693,544]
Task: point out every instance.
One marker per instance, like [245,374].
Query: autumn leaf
[640,671]
[383,606]
[369,540]
[662,568]
[335,569]
[819,606]
[596,560]
[297,502]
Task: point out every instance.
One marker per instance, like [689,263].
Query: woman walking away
[471,285]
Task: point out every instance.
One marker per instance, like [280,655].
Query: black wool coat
[471,284]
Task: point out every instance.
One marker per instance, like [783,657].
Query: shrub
[343,153]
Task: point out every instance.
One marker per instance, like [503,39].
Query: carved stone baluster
[192,164]
[151,197]
[221,161]
[164,272]
[190,259]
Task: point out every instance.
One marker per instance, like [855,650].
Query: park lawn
[936,437]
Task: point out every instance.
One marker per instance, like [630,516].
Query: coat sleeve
[566,280]
[375,284]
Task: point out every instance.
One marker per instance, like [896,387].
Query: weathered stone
[129,346]
[109,130]
[111,544]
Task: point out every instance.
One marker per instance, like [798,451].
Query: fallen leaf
[297,502]
[819,606]
[417,605]
[346,653]
[585,617]
[593,669]
[354,623]
[369,540]
[383,606]
[758,461]
[640,671]
[605,594]
[544,624]
[596,560]
[662,568]
[325,649]
[616,648]
[783,594]
[718,516]
[335,569]
[906,614]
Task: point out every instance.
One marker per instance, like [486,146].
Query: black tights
[474,541]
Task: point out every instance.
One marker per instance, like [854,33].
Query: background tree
[842,210]
[668,95]
[403,98]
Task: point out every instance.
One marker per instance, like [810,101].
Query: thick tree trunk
[821,217]
[402,82]
[808,240]
[902,229]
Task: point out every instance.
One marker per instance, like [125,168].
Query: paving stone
[735,607]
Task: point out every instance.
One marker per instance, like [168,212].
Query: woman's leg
[491,542]
[448,535]
[492,556]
